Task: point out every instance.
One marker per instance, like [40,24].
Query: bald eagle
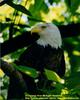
[46,52]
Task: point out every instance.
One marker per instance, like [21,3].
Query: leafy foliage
[51,75]
[25,13]
[73,5]
[27,70]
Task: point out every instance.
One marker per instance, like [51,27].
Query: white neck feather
[51,37]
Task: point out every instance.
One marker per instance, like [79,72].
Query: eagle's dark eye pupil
[43,26]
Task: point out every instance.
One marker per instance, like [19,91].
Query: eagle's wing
[54,60]
[38,57]
[32,56]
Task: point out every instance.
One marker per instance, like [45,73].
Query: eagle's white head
[49,34]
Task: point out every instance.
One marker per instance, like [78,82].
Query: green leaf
[19,8]
[38,6]
[36,9]
[74,5]
[51,75]
[74,80]
[27,70]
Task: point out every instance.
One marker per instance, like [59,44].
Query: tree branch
[10,71]
[18,42]
[70,30]
[26,38]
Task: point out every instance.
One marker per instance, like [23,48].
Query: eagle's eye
[43,27]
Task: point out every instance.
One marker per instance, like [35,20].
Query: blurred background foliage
[25,13]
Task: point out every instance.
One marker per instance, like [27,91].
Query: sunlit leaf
[77,53]
[27,70]
[1,73]
[51,75]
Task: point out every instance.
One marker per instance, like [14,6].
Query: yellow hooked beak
[35,30]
